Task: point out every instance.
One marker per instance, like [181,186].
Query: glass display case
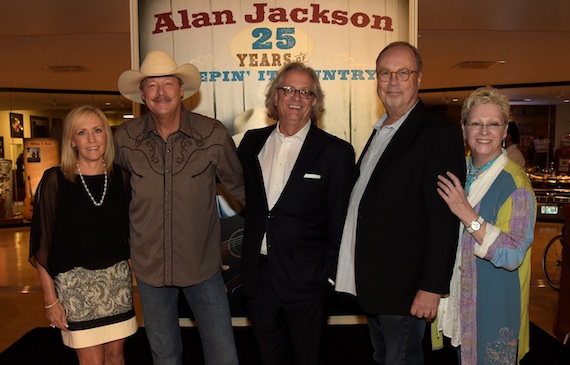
[552,192]
[6,209]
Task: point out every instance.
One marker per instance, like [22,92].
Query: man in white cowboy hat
[174,157]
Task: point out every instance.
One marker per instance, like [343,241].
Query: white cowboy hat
[159,63]
[250,119]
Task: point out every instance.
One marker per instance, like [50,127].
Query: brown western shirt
[175,236]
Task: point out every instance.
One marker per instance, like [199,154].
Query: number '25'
[284,40]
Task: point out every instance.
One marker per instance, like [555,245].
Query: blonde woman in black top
[79,242]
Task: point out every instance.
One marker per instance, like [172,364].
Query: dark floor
[21,305]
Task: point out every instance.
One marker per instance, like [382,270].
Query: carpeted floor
[347,345]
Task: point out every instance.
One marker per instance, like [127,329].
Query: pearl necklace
[97,204]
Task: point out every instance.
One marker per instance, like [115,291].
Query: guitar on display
[28,211]
[232,235]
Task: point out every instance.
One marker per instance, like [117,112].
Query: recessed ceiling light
[128,116]
[567,100]
[455,100]
[527,99]
[478,64]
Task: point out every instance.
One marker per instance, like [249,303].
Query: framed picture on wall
[16,125]
[1,147]
[56,128]
[39,126]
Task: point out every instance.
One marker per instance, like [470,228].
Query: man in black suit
[399,240]
[296,177]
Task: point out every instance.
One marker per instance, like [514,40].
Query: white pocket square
[312,176]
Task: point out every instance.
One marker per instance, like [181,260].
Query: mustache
[161,99]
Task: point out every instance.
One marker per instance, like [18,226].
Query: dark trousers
[397,340]
[288,333]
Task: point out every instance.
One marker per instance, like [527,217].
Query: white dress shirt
[345,276]
[277,158]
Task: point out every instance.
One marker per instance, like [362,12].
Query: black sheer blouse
[69,231]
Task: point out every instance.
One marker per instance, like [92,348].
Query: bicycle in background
[552,260]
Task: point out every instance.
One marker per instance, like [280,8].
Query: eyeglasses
[493,126]
[401,75]
[290,91]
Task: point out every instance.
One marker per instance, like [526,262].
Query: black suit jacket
[406,234]
[303,228]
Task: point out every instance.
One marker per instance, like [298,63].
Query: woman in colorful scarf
[486,313]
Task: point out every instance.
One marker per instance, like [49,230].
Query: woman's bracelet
[52,304]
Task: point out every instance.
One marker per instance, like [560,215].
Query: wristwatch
[475,225]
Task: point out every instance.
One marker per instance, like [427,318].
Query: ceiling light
[478,64]
[527,99]
[455,100]
[567,100]
[66,68]
[128,116]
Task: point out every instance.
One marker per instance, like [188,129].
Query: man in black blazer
[399,240]
[296,180]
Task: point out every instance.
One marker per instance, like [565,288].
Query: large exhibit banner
[239,45]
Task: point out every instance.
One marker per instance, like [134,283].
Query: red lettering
[277,15]
[360,20]
[201,20]
[184,17]
[314,14]
[319,17]
[295,15]
[164,20]
[339,17]
[219,16]
[378,23]
[259,14]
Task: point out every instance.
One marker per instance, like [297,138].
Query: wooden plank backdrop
[238,46]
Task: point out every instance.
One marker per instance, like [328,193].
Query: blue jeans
[397,340]
[209,304]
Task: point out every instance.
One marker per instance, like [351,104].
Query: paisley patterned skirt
[98,304]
